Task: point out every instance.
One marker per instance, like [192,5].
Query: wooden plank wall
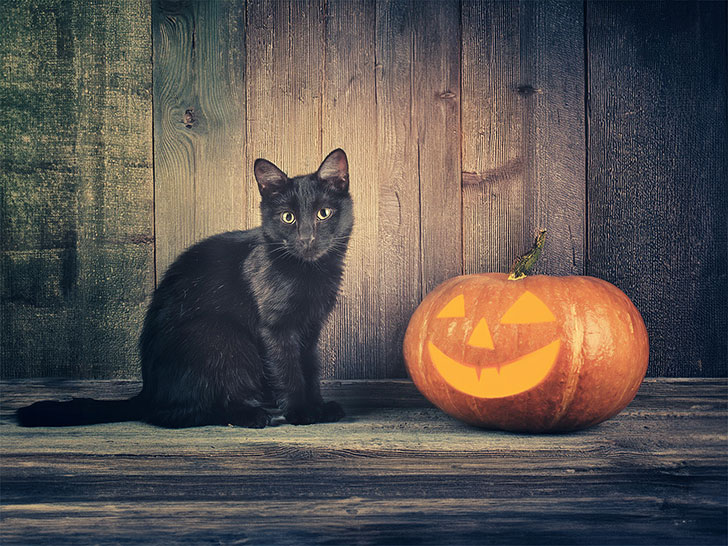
[77,191]
[468,124]
[199,122]
[657,172]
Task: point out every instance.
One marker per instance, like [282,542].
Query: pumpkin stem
[522,265]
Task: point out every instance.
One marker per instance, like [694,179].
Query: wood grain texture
[349,344]
[77,218]
[493,136]
[523,134]
[399,283]
[395,471]
[552,72]
[348,115]
[436,105]
[657,171]
[285,45]
[38,256]
[199,122]
[466,128]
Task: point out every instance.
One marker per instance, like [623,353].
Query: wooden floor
[395,471]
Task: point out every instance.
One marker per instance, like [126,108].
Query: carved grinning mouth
[498,381]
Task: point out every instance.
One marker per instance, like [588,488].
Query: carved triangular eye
[454,309]
[528,309]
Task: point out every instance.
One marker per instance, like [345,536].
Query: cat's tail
[80,411]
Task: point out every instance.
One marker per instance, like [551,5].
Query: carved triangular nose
[481,336]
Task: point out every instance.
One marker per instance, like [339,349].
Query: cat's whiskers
[279,258]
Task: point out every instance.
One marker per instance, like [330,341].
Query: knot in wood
[527,90]
[189,118]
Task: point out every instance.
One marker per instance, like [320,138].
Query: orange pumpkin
[527,353]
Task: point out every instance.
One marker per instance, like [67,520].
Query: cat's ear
[271,179]
[334,171]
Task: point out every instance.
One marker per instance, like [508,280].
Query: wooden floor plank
[354,521]
[395,471]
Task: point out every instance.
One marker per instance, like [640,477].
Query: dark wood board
[77,214]
[285,48]
[523,134]
[349,119]
[658,208]
[493,136]
[436,107]
[552,72]
[395,471]
[199,123]
[398,241]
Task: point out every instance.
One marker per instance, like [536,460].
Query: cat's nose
[307,241]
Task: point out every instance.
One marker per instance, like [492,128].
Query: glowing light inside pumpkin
[504,379]
[515,377]
[454,309]
[528,309]
[481,336]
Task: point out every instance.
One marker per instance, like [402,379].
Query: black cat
[233,327]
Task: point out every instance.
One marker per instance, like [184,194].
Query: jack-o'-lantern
[527,353]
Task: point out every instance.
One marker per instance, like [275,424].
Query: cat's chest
[295,298]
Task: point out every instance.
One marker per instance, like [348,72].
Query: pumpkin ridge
[577,359]
[630,388]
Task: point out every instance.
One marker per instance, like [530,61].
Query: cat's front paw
[250,417]
[303,415]
[331,411]
[328,412]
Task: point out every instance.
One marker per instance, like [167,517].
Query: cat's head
[307,216]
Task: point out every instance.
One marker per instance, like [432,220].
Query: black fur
[233,327]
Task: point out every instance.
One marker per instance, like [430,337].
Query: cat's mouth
[306,254]
[310,254]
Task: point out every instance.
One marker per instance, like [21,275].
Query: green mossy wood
[77,218]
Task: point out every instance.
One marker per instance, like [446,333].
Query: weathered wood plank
[382,463]
[199,122]
[350,343]
[659,394]
[379,476]
[657,172]
[654,474]
[552,71]
[357,520]
[399,281]
[436,106]
[285,48]
[77,218]
[493,140]
[523,133]
[115,186]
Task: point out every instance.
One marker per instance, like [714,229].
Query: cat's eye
[324,213]
[287,217]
